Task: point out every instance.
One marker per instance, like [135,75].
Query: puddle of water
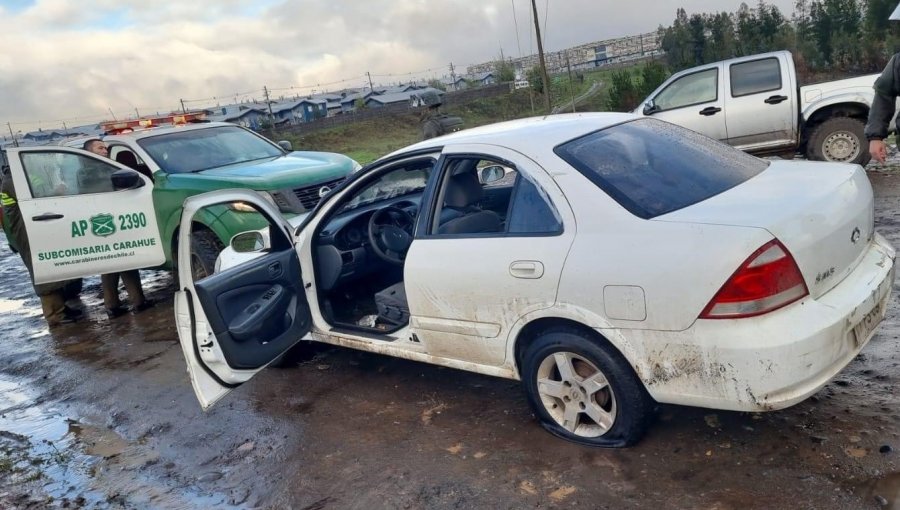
[72,453]
[10,305]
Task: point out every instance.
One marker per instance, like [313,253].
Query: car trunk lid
[823,213]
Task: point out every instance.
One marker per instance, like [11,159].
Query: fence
[359,115]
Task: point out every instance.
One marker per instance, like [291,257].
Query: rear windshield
[202,149]
[651,167]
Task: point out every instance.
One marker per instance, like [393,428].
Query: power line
[516,23]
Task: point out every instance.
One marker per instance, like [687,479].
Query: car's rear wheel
[839,139]
[583,390]
[205,249]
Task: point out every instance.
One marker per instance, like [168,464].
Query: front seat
[130,160]
[461,197]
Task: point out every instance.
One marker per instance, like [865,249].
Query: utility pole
[371,87]
[571,91]
[15,142]
[111,113]
[540,45]
[66,128]
[269,104]
[136,112]
[452,76]
[183,109]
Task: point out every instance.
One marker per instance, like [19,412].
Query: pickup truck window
[203,149]
[691,89]
[755,76]
[652,167]
[54,174]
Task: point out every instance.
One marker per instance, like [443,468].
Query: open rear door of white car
[85,215]
[233,323]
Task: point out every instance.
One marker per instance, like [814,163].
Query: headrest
[127,158]
[463,190]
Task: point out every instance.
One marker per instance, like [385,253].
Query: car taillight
[766,281]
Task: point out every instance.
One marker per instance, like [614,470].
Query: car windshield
[201,149]
[400,181]
[652,168]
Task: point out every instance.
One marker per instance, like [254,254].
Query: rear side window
[755,77]
[652,167]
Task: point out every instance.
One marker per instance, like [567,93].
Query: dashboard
[343,251]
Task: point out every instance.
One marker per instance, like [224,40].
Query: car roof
[526,135]
[154,131]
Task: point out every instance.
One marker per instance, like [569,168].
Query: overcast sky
[77,60]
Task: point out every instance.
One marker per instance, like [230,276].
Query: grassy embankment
[368,140]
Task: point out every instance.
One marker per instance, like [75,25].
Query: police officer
[431,124]
[110,281]
[53,301]
[887,89]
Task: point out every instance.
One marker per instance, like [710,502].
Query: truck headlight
[242,207]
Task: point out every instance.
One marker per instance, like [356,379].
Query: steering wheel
[390,232]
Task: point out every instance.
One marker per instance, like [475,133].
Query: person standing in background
[110,282]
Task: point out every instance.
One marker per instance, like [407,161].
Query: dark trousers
[132,281]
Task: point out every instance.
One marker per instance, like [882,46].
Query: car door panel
[84,228]
[257,310]
[233,323]
[695,101]
[761,109]
[469,318]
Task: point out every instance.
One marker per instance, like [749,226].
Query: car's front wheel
[205,249]
[583,390]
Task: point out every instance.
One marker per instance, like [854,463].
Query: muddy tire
[583,390]
[839,139]
[205,248]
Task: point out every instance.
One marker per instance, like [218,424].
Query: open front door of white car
[233,323]
[84,214]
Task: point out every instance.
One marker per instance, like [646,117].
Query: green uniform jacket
[887,89]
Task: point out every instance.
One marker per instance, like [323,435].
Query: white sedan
[608,262]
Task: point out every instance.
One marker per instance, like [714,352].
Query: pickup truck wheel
[839,139]
[583,390]
[205,248]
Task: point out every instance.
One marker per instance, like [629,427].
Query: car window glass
[755,77]
[471,203]
[403,180]
[532,211]
[689,90]
[53,174]
[202,149]
[652,167]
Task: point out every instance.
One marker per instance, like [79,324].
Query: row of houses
[297,109]
[294,110]
[585,56]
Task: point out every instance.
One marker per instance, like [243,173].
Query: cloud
[76,60]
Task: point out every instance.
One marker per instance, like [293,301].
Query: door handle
[710,110]
[47,217]
[775,99]
[274,270]
[528,269]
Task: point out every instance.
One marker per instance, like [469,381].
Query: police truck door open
[85,215]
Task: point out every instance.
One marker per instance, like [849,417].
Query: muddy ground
[101,415]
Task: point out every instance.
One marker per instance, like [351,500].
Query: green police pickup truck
[181,161]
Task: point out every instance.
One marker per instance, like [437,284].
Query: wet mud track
[101,414]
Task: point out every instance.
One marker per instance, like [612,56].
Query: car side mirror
[126,179]
[249,242]
[286,145]
[492,173]
[650,107]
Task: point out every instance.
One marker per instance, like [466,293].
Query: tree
[653,73]
[535,79]
[505,71]
[623,94]
[437,84]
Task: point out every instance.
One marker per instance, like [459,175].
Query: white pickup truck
[755,104]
